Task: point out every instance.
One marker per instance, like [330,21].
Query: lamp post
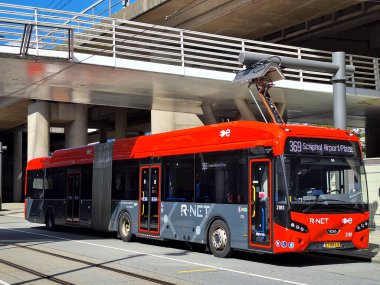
[2,148]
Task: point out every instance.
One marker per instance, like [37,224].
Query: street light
[2,148]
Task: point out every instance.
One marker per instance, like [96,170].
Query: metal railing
[117,38]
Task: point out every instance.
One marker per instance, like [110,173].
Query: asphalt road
[29,254]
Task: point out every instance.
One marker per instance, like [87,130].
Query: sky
[65,5]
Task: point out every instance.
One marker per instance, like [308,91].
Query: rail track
[54,279]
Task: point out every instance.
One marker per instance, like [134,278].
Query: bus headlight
[298,227]
[362,226]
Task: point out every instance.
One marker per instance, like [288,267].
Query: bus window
[86,184]
[281,216]
[335,179]
[219,177]
[280,195]
[125,181]
[55,185]
[35,186]
[178,178]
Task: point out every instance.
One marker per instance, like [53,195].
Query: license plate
[334,244]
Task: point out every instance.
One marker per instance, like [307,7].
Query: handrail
[118,38]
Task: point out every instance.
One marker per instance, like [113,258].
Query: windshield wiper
[311,206]
[324,201]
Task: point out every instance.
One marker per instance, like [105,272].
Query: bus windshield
[325,181]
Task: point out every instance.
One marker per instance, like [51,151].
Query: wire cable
[181,11]
[68,2]
[50,3]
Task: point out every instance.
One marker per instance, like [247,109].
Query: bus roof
[224,136]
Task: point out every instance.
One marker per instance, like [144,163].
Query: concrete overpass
[58,68]
[346,25]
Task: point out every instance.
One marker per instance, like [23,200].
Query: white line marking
[164,257]
[3,282]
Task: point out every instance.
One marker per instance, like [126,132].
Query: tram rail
[72,259]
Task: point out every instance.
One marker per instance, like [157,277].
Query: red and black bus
[240,185]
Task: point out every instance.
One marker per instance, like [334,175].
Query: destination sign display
[321,147]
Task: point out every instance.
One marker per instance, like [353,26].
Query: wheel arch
[117,222]
[125,235]
[211,221]
[49,209]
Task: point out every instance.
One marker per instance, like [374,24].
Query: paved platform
[12,209]
[371,254]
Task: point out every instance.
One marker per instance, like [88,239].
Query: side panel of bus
[190,221]
[197,189]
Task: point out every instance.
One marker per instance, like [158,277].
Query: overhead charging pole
[339,91]
[337,68]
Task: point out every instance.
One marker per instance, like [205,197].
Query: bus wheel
[49,220]
[125,227]
[219,239]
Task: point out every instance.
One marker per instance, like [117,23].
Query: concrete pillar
[17,167]
[281,107]
[209,114]
[163,121]
[38,130]
[121,123]
[372,135]
[245,110]
[76,131]
[103,134]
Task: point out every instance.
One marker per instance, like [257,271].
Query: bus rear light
[361,226]
[298,227]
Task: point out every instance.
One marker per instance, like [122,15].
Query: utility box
[372,167]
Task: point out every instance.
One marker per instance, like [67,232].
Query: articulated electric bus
[240,185]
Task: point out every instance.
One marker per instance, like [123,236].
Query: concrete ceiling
[238,18]
[13,112]
[347,25]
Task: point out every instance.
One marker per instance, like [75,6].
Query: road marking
[197,270]
[3,282]
[164,257]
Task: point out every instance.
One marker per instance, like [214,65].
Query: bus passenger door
[73,197]
[259,207]
[149,200]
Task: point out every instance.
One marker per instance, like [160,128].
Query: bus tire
[219,239]
[125,227]
[50,220]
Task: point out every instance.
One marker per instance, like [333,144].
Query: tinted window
[220,177]
[179,178]
[35,184]
[280,186]
[125,180]
[86,176]
[55,185]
